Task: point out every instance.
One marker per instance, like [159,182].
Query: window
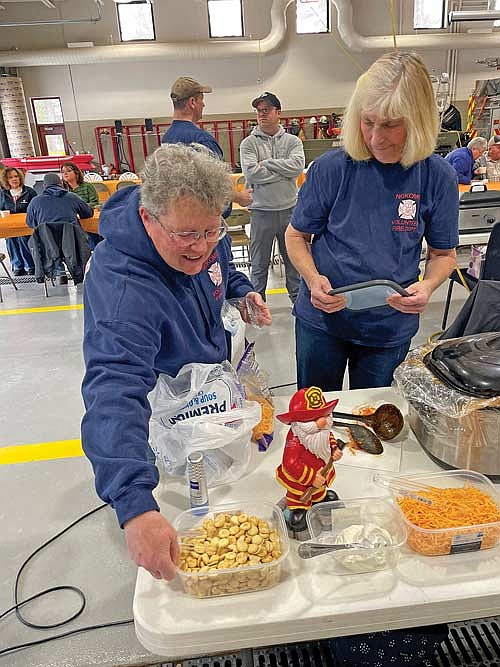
[135,20]
[312,16]
[429,14]
[225,18]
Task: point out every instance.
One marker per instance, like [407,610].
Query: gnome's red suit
[298,470]
[301,468]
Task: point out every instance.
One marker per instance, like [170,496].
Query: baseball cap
[495,139]
[186,87]
[267,97]
[51,179]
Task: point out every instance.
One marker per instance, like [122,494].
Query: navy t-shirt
[186,132]
[368,220]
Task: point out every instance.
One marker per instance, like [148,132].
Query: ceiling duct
[203,50]
[431,41]
[491,15]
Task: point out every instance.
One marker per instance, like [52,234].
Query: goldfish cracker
[250,549]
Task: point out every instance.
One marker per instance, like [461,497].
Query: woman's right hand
[320,299]
[152,544]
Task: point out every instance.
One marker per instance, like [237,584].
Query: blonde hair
[397,85]
[5,173]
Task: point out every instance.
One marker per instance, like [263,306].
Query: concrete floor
[42,365]
[42,369]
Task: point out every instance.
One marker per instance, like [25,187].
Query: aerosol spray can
[197,480]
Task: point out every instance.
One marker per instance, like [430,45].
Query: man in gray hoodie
[271,160]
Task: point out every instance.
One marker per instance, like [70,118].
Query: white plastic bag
[202,408]
[233,323]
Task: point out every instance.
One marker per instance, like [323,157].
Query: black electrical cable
[18,604]
[122,160]
[280,386]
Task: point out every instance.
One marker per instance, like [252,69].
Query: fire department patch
[407,209]
[215,274]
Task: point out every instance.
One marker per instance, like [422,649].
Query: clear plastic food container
[416,510]
[375,520]
[257,524]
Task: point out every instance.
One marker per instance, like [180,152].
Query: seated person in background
[493,161]
[15,198]
[153,298]
[462,159]
[109,170]
[54,205]
[369,206]
[72,178]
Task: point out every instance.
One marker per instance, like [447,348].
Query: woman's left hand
[253,310]
[415,303]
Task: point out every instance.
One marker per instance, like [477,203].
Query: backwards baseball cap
[267,97]
[495,139]
[186,87]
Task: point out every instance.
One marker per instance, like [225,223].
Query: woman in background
[15,197]
[72,178]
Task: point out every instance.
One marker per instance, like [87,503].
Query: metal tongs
[404,486]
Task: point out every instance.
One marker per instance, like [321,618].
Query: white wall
[308,72]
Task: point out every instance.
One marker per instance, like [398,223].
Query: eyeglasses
[264,111]
[188,238]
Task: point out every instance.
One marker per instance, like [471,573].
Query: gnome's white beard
[316,440]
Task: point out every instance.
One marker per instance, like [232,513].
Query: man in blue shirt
[462,159]
[187,96]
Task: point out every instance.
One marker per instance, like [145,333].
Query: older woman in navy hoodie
[153,298]
[15,197]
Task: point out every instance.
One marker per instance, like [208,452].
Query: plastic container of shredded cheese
[437,514]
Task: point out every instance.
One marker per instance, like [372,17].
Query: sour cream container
[374,521]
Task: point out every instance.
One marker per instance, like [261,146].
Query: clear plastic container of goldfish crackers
[234,548]
[449,512]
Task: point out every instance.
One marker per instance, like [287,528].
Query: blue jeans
[19,253]
[322,360]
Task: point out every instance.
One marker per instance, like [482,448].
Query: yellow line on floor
[41,451]
[277,290]
[47,309]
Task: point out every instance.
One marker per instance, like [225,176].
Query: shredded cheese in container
[452,512]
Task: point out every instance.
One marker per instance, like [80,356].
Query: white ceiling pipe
[357,42]
[201,50]
[490,15]
[228,49]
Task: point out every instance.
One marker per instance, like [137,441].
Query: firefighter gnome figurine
[306,469]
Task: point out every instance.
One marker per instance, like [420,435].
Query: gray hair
[479,143]
[177,171]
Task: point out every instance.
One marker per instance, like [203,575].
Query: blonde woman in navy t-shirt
[367,209]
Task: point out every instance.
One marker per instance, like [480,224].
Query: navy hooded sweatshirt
[142,318]
[56,204]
